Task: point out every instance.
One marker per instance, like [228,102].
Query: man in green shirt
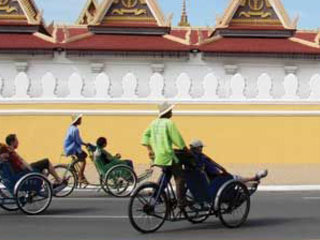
[159,138]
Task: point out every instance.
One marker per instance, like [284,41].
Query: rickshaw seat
[9,177]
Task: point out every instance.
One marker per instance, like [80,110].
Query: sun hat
[196,143]
[165,108]
[76,117]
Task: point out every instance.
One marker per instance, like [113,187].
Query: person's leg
[82,164]
[259,175]
[45,164]
[180,180]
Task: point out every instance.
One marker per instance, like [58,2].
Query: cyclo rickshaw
[29,192]
[154,203]
[117,179]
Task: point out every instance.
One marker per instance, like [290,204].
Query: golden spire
[184,17]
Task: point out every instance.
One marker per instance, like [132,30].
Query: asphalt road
[93,216]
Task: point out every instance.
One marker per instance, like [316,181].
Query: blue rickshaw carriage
[224,197]
[27,191]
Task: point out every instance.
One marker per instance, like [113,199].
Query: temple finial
[184,17]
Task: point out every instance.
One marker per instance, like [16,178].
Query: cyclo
[226,198]
[117,179]
[30,192]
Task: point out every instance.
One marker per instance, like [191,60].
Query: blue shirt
[72,141]
[204,162]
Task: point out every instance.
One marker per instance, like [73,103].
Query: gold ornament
[256,8]
[4,6]
[129,3]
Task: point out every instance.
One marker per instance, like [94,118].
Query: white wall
[149,79]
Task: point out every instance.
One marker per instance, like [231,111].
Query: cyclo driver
[159,139]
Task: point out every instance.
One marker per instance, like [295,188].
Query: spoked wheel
[7,201]
[197,212]
[147,210]
[64,172]
[120,181]
[33,194]
[233,204]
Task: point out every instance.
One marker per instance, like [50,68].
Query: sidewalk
[279,174]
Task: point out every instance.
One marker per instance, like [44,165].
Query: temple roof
[247,27]
[114,15]
[88,13]
[256,13]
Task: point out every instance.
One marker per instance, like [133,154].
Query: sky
[200,12]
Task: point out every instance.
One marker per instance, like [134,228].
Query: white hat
[76,117]
[196,143]
[165,108]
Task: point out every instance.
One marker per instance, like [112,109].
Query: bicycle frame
[166,187]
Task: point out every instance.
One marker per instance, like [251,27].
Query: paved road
[92,216]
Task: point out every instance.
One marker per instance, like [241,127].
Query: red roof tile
[308,36]
[23,41]
[126,43]
[258,45]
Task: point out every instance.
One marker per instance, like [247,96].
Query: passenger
[18,164]
[213,169]
[159,139]
[102,155]
[73,146]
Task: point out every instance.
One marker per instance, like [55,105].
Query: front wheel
[120,181]
[33,194]
[233,204]
[148,209]
[7,201]
[65,172]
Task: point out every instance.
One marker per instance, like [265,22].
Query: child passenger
[102,155]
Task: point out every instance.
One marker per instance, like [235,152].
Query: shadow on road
[251,224]
[65,211]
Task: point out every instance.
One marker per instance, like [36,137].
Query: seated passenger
[107,158]
[213,169]
[19,165]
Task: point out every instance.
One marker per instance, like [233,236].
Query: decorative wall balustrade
[96,82]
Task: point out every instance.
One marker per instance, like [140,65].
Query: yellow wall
[230,139]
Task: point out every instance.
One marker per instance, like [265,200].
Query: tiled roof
[126,43]
[258,45]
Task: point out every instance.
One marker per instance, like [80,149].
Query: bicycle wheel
[197,212]
[120,181]
[7,201]
[33,194]
[64,172]
[146,213]
[233,204]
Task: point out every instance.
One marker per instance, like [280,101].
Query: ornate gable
[256,17]
[24,11]
[255,12]
[132,11]
[88,13]
[115,15]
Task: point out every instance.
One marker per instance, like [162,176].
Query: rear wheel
[146,213]
[233,204]
[33,194]
[64,172]
[120,181]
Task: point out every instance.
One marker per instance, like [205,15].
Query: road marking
[92,199]
[311,198]
[288,188]
[82,217]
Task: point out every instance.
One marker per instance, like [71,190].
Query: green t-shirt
[162,135]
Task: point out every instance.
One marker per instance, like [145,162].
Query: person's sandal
[83,183]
